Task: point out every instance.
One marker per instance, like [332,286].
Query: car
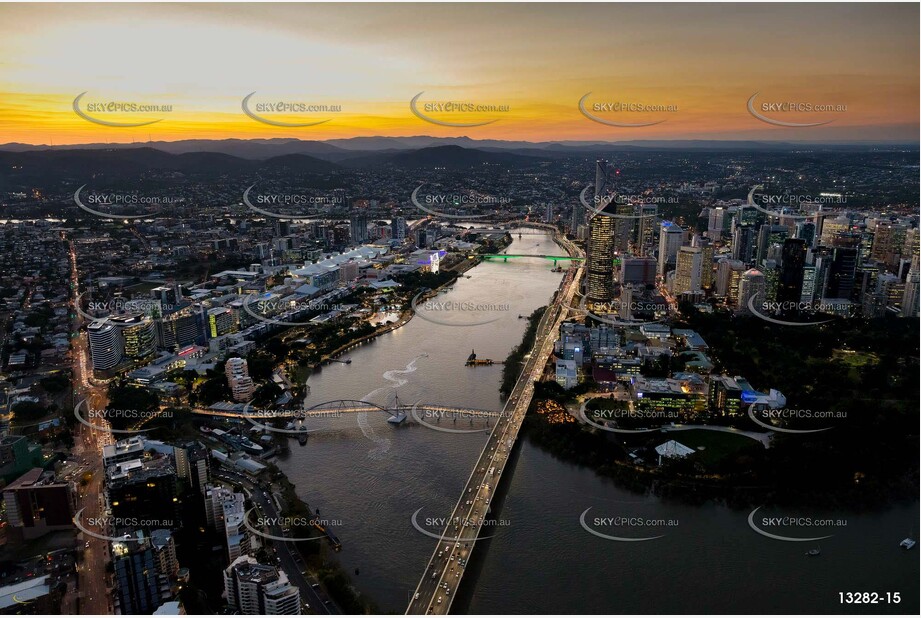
[439,600]
[314,586]
[416,596]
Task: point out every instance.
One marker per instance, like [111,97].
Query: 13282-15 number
[870,598]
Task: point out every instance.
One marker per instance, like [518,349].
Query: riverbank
[407,315]
[733,475]
[315,553]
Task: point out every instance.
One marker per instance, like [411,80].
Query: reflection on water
[373,476]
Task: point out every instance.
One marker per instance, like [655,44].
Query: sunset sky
[537,59]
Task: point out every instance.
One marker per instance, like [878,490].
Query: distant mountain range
[338,150]
[125,163]
[23,164]
[119,164]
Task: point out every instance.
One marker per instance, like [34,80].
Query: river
[371,477]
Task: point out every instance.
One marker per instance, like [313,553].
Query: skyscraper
[743,243]
[843,272]
[688,270]
[706,260]
[671,237]
[751,286]
[769,234]
[599,280]
[910,300]
[645,229]
[601,177]
[715,222]
[358,228]
[727,279]
[806,231]
[809,285]
[624,227]
[790,289]
[398,229]
[106,344]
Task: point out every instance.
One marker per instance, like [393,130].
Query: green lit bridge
[505,257]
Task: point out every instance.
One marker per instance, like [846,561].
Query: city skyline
[377,309]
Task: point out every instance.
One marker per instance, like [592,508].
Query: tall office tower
[688,270]
[879,293]
[238,379]
[865,282]
[645,241]
[726,271]
[139,334]
[671,237]
[822,258]
[910,300]
[398,228]
[793,261]
[624,229]
[599,281]
[743,243]
[842,277]
[106,344]
[358,228]
[751,286]
[888,241]
[282,227]
[809,285]
[832,227]
[601,179]
[716,222]
[252,588]
[806,231]
[548,213]
[706,260]
[751,216]
[769,234]
[842,273]
[912,244]
[640,271]
[771,273]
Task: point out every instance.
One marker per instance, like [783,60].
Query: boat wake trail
[394,376]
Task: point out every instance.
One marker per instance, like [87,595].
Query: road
[291,561]
[443,573]
[91,574]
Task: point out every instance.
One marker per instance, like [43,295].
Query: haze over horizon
[698,64]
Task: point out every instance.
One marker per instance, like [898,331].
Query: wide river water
[372,477]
